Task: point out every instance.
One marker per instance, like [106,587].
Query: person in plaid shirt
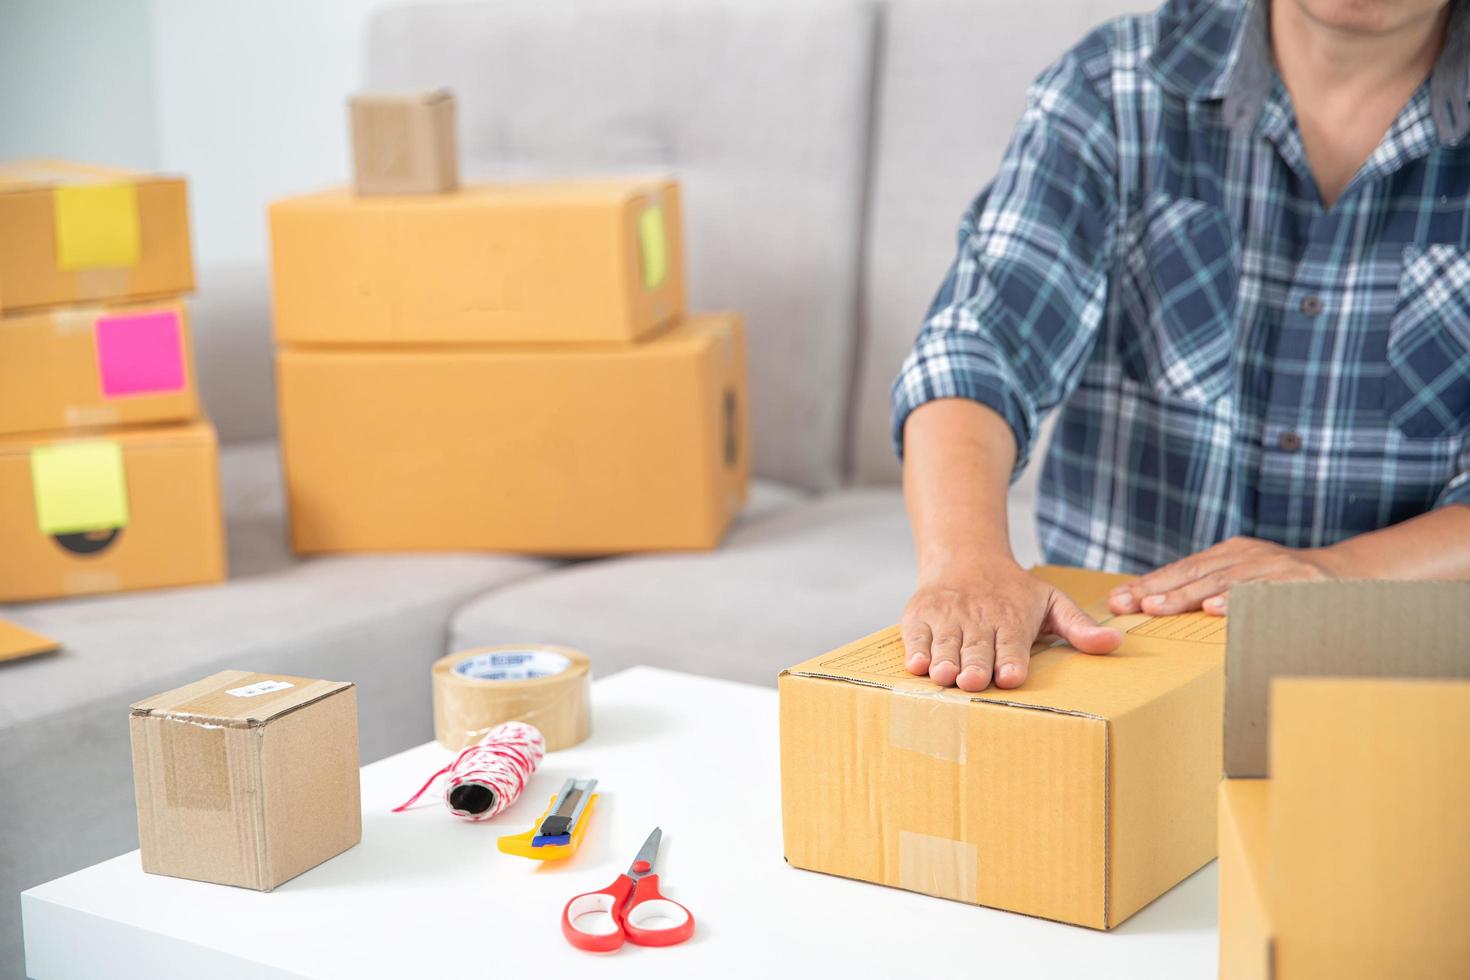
[1231,239]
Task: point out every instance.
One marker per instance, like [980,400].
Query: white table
[425,895]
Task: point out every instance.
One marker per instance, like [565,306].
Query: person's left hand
[1201,581]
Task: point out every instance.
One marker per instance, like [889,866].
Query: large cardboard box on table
[94,366]
[1343,844]
[246,779]
[549,261]
[121,509]
[1081,796]
[539,450]
[72,233]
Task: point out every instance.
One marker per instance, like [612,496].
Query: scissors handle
[609,902]
[652,920]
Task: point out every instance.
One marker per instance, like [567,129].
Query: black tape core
[472,798]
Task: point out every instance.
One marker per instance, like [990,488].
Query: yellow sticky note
[79,486]
[96,225]
[653,246]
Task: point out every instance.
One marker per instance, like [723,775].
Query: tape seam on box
[939,866]
[917,723]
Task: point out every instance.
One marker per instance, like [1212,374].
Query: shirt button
[1311,305]
[1289,442]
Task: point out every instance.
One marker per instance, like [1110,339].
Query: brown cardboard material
[1080,797]
[35,270]
[1405,629]
[1369,839]
[16,642]
[1247,931]
[404,144]
[173,533]
[51,377]
[555,261]
[246,779]
[537,450]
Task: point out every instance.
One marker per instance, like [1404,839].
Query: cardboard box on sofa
[1081,796]
[73,233]
[565,451]
[109,511]
[246,779]
[554,261]
[94,366]
[404,144]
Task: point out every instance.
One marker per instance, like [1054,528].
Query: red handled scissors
[630,909]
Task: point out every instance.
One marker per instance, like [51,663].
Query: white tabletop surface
[426,895]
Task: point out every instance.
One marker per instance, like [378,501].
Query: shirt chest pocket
[1427,388]
[1179,287]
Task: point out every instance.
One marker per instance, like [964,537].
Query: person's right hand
[962,628]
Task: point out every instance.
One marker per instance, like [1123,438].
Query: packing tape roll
[546,686]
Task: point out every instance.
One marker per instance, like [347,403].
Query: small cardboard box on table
[559,261]
[1343,844]
[109,511]
[537,449]
[246,779]
[120,364]
[72,233]
[1081,796]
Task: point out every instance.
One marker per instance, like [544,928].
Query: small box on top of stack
[503,366]
[108,475]
[1343,844]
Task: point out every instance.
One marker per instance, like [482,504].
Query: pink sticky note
[140,353]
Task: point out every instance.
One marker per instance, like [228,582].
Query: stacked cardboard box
[504,367]
[1080,797]
[1344,849]
[108,475]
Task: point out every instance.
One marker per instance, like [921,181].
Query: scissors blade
[647,853]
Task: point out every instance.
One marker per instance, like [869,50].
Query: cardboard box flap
[504,193]
[1372,629]
[131,438]
[1150,662]
[239,698]
[31,174]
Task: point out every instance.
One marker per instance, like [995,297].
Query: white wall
[77,81]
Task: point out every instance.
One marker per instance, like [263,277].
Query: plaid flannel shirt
[1230,357]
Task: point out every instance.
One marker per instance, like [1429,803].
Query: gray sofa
[826,147]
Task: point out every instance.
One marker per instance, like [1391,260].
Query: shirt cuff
[1457,491]
[961,366]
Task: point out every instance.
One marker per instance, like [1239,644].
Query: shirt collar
[1224,53]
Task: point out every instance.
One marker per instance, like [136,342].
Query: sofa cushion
[952,85]
[786,586]
[759,107]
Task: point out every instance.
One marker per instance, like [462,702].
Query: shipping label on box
[1080,797]
[106,512]
[549,262]
[71,233]
[543,451]
[96,366]
[246,779]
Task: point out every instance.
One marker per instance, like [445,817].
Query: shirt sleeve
[1457,491]
[1018,314]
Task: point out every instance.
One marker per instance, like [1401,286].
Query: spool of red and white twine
[490,775]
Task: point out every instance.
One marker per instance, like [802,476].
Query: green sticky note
[654,246]
[79,486]
[96,225]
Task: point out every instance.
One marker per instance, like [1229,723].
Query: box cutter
[561,828]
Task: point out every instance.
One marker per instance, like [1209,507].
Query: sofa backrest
[759,107]
[952,83]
